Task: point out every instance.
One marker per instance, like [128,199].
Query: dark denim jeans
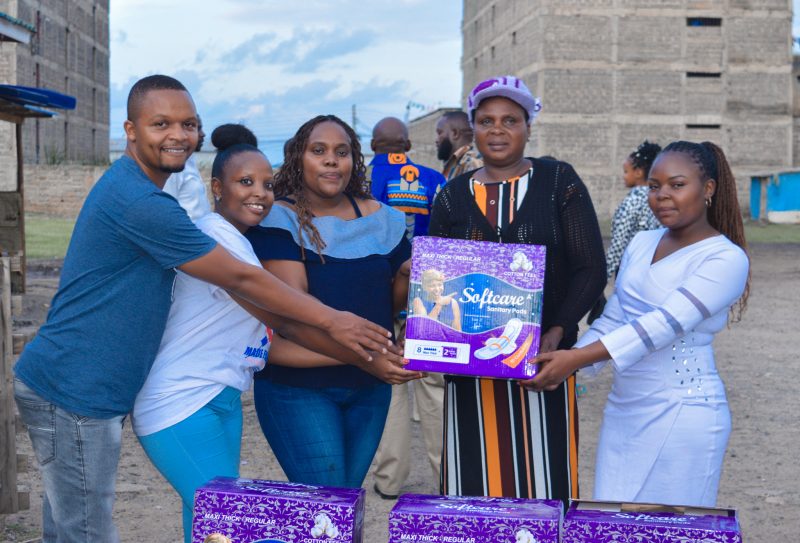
[323,436]
[78,458]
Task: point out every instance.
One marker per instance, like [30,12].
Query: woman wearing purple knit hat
[503,439]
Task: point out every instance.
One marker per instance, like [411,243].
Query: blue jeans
[323,436]
[78,458]
[197,449]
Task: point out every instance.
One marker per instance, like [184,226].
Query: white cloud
[275,63]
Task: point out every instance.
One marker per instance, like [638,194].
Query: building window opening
[703,75]
[703,21]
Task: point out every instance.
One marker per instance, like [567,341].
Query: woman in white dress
[666,423]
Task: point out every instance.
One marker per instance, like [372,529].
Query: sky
[275,64]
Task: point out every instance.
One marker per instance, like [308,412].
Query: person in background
[454,145]
[666,422]
[397,181]
[410,188]
[500,438]
[632,215]
[187,186]
[77,380]
[328,237]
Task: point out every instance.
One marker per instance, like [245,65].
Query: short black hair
[459,116]
[147,84]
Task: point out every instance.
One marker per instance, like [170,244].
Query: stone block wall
[69,53]
[59,190]
[612,73]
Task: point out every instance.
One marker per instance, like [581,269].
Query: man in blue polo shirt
[78,378]
[411,188]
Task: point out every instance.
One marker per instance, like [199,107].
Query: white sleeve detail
[712,288]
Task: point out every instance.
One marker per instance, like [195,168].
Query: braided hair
[644,156]
[723,212]
[290,178]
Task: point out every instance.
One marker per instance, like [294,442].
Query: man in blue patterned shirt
[397,181]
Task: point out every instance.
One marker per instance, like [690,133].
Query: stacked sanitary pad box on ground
[454,519]
[253,511]
[474,307]
[607,522]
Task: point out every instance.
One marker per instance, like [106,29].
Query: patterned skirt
[503,440]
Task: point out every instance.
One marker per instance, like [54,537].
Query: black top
[556,212]
[357,276]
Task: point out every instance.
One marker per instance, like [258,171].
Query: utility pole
[354,119]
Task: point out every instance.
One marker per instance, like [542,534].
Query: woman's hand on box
[553,368]
[389,368]
[551,339]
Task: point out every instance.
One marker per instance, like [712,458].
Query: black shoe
[383,495]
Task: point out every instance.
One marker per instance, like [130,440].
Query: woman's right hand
[389,368]
[357,334]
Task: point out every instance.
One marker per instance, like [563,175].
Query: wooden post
[9,499]
[21,191]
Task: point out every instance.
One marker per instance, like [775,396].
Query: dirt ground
[755,357]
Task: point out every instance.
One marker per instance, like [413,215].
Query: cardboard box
[474,307]
[602,522]
[457,519]
[253,511]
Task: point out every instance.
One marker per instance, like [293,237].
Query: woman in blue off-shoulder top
[327,236]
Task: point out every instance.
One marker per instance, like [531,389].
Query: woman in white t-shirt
[188,414]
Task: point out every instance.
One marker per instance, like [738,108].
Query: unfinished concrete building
[612,73]
[68,53]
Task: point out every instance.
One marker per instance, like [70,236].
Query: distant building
[612,73]
[68,53]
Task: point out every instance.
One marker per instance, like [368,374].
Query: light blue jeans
[198,448]
[78,458]
[323,436]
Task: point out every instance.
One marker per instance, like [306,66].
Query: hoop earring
[217,198]
[708,202]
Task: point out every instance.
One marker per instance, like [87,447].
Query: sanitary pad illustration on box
[228,510]
[474,307]
[610,522]
[457,519]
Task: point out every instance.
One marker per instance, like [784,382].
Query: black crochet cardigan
[556,212]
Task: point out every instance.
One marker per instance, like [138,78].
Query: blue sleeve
[400,254]
[378,188]
[162,229]
[273,244]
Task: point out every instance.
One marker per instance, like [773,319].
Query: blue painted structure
[775,197]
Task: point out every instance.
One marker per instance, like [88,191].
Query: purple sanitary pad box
[459,519]
[253,511]
[606,522]
[474,307]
